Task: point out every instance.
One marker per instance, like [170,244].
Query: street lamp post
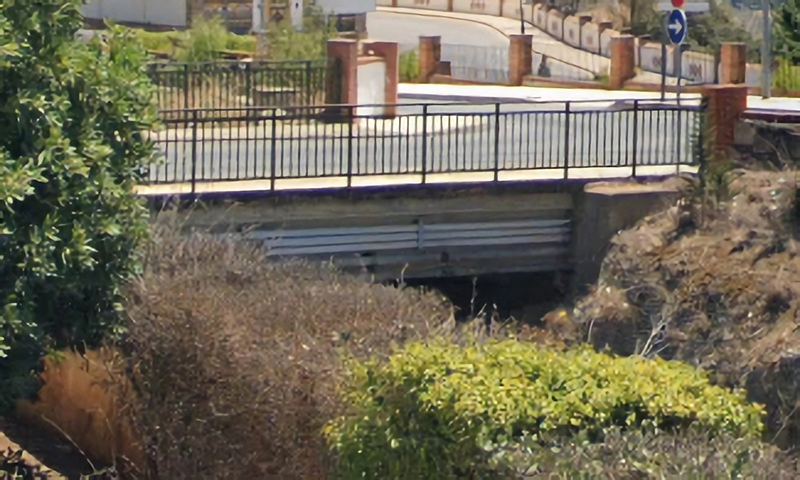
[521,19]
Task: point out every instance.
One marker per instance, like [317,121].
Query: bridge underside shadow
[405,234]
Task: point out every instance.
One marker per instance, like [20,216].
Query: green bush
[71,149]
[409,67]
[647,454]
[445,411]
[204,41]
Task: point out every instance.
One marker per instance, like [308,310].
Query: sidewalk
[498,93]
[542,42]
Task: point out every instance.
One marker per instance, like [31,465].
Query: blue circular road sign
[677,26]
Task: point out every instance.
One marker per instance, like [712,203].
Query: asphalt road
[476,52]
[458,139]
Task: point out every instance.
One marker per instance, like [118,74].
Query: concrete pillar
[623,61]
[520,57]
[733,63]
[391,55]
[341,81]
[724,106]
[430,53]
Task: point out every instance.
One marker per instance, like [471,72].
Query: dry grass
[238,358]
[81,399]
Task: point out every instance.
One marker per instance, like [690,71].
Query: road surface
[457,138]
[476,52]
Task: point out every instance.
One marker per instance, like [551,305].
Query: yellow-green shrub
[446,411]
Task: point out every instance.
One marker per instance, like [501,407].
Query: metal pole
[679,70]
[521,19]
[663,70]
[766,50]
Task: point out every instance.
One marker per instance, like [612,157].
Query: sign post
[677,29]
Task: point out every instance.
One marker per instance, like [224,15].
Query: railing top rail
[320,61]
[620,104]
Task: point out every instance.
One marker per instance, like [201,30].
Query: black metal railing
[237,84]
[546,140]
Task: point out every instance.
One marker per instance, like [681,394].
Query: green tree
[72,118]
[786,31]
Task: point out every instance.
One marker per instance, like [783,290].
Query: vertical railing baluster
[496,141]
[273,149]
[424,142]
[350,120]
[567,110]
[194,151]
[635,134]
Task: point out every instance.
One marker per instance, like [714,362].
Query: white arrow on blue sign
[676,26]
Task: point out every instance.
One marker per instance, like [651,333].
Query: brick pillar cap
[734,43]
[431,37]
[342,40]
[729,87]
[521,35]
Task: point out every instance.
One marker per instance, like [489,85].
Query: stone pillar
[623,61]
[733,63]
[724,106]
[520,57]
[391,55]
[341,81]
[430,53]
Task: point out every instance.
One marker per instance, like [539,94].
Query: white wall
[555,24]
[540,18]
[440,5]
[590,37]
[650,58]
[485,7]
[346,7]
[572,31]
[371,87]
[155,12]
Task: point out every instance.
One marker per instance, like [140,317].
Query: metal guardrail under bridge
[270,145]
[430,250]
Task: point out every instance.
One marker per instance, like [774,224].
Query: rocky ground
[714,282]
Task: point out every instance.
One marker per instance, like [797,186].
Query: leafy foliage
[409,66]
[286,43]
[647,454]
[205,40]
[446,411]
[786,31]
[71,147]
[707,32]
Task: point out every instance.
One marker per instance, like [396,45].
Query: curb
[466,98]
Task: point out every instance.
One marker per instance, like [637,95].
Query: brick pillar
[394,3]
[733,63]
[430,53]
[341,81]
[520,57]
[449,5]
[623,61]
[724,105]
[391,55]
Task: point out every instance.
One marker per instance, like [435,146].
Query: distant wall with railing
[238,84]
[589,46]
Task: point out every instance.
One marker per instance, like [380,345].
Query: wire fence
[237,84]
[424,139]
